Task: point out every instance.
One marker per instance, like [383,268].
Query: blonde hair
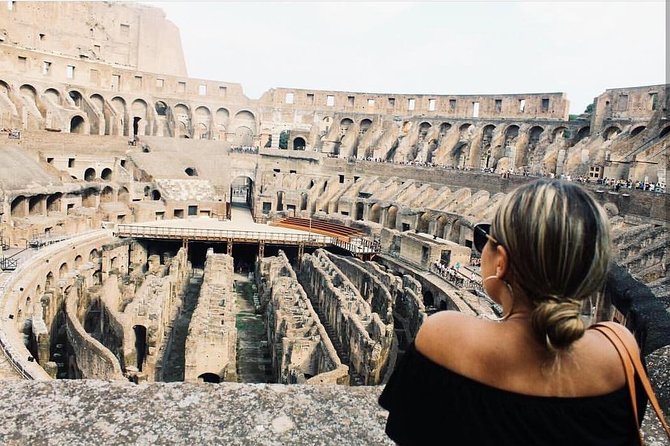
[558,243]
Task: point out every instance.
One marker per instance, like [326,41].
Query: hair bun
[558,323]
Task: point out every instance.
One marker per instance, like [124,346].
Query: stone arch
[28,92]
[511,132]
[107,195]
[637,130]
[98,102]
[120,108]
[444,128]
[4,88]
[375,213]
[63,270]
[155,195]
[245,118]
[299,143]
[610,132]
[424,128]
[78,261]
[209,378]
[442,221]
[161,108]
[221,120]
[52,95]
[94,256]
[244,136]
[535,133]
[365,125]
[182,116]
[203,118]
[428,299]
[54,202]
[36,204]
[582,133]
[558,132]
[123,195]
[89,174]
[19,207]
[76,97]
[49,280]
[140,117]
[391,217]
[345,125]
[106,174]
[78,125]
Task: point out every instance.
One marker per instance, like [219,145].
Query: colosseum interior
[160,228]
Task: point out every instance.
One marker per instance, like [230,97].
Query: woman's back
[504,355]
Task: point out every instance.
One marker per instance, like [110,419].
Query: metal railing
[138,231]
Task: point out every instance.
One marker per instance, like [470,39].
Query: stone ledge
[101,412]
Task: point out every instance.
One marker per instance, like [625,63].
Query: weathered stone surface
[99,412]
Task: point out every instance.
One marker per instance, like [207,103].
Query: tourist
[536,376]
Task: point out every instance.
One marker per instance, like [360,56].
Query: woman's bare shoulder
[458,331]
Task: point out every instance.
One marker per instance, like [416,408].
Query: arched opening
[140,345]
[107,195]
[191,171]
[299,143]
[391,217]
[19,207]
[155,195]
[582,133]
[424,128]
[52,95]
[106,174]
[210,378]
[78,261]
[359,211]
[203,118]
[94,256]
[98,102]
[345,124]
[28,92]
[428,299]
[375,213]
[444,128]
[77,125]
[558,132]
[161,108]
[303,201]
[124,195]
[637,130]
[242,192]
[49,281]
[136,125]
[76,97]
[664,132]
[611,132]
[36,205]
[54,202]
[365,126]
[244,136]
[535,134]
[89,174]
[182,116]
[63,270]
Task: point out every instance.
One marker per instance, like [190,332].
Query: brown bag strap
[630,357]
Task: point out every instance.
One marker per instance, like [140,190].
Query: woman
[537,376]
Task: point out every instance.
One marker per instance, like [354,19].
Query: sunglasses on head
[480,236]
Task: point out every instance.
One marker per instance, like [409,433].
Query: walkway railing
[223,235]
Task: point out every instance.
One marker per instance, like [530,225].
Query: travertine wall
[301,350]
[362,333]
[211,345]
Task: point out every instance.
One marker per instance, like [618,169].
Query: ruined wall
[301,350]
[211,345]
[124,35]
[93,360]
[361,332]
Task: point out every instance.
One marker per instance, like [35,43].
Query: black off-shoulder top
[430,404]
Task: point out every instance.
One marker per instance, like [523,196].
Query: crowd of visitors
[244,149]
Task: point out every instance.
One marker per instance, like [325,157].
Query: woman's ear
[502,261]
